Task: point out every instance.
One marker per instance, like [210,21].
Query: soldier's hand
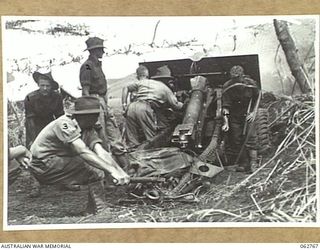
[22,155]
[225,127]
[120,178]
[249,117]
[124,107]
[24,161]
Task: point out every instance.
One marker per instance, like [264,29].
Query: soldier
[94,83]
[68,151]
[237,93]
[142,73]
[41,106]
[147,115]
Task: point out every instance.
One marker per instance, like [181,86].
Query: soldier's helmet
[236,71]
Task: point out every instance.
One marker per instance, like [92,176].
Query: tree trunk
[291,54]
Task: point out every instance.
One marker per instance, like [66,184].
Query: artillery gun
[195,134]
[200,128]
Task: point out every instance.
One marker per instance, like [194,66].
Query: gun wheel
[262,126]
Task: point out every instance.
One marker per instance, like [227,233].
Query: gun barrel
[202,74]
[195,105]
[186,131]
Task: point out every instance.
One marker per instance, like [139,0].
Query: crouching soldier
[239,98]
[68,151]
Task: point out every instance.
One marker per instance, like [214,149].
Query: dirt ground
[55,206]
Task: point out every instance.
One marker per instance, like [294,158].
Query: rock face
[62,50]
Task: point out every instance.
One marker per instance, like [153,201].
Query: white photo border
[7,227]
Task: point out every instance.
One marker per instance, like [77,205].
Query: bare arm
[106,156]
[225,115]
[85,90]
[125,94]
[96,161]
[172,100]
[174,103]
[21,154]
[18,151]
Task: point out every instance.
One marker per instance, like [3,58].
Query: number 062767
[309,246]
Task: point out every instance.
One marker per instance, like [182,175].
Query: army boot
[245,168]
[96,198]
[253,154]
[244,164]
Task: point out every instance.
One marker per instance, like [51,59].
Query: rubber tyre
[263,133]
